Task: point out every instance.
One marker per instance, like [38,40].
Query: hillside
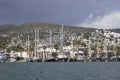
[44,27]
[10,30]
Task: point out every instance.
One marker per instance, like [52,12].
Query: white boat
[3,57]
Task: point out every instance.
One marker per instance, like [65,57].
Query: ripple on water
[60,71]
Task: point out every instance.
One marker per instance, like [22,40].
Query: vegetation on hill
[8,31]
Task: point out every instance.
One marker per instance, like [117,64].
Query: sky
[86,13]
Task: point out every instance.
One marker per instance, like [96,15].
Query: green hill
[10,30]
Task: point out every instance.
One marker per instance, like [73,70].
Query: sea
[60,71]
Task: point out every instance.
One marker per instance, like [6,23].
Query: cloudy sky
[86,13]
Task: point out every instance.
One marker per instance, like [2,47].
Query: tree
[77,42]
[67,43]
[83,44]
[56,46]
[17,49]
[54,54]
[3,46]
[118,51]
[9,49]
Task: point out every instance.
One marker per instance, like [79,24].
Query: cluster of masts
[37,42]
[103,42]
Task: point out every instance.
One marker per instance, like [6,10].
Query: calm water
[60,71]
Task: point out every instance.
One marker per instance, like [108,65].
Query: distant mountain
[115,30]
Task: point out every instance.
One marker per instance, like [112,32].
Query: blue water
[60,71]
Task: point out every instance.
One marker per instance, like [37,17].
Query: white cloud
[108,21]
[90,16]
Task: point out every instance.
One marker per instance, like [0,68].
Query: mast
[89,48]
[28,46]
[38,35]
[72,42]
[114,47]
[50,38]
[35,42]
[97,54]
[105,47]
[50,41]
[62,36]
[61,40]
[72,54]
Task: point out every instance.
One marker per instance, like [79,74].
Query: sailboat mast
[89,48]
[50,38]
[105,47]
[72,54]
[62,36]
[50,41]
[114,47]
[35,43]
[28,45]
[72,42]
[61,39]
[97,54]
[37,36]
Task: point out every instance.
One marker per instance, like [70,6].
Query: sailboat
[62,56]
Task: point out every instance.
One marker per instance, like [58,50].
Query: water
[60,71]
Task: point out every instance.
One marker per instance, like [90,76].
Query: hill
[10,30]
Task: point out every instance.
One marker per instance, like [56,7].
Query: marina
[59,40]
[99,46]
